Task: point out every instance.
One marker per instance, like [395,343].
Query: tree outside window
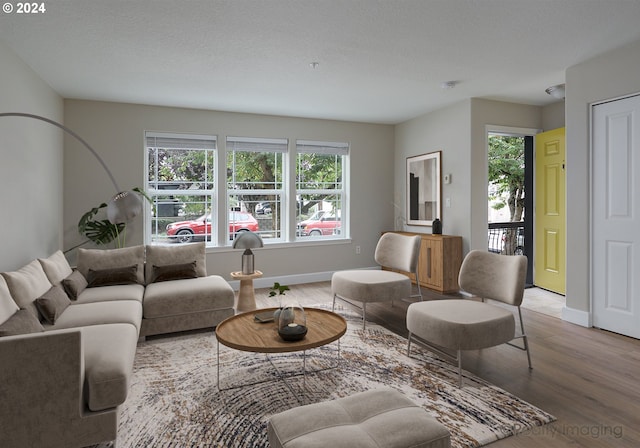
[506,181]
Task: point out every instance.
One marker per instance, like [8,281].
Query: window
[181,184]
[255,185]
[320,189]
[262,187]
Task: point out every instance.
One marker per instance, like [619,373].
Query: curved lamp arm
[125,205]
[70,132]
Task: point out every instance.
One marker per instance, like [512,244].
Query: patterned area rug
[174,400]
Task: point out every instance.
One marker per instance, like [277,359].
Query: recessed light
[446,85]
[314,65]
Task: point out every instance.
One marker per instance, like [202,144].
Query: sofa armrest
[41,378]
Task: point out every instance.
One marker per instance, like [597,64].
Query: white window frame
[196,142]
[266,145]
[219,193]
[328,148]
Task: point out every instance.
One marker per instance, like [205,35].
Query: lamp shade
[123,207]
[247,240]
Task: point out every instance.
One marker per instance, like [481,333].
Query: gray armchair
[454,325]
[394,251]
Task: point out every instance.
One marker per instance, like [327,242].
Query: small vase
[292,322]
[436,227]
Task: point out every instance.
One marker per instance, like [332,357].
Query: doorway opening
[510,156]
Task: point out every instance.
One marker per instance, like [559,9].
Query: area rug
[174,399]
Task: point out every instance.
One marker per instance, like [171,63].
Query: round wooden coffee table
[243,332]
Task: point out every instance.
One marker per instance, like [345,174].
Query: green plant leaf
[88,217]
[101,232]
[278,289]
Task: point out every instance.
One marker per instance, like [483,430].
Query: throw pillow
[26,284]
[74,284]
[8,306]
[53,303]
[174,272]
[56,267]
[158,255]
[114,276]
[22,322]
[98,259]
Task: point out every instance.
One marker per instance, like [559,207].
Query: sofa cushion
[27,284]
[177,297]
[168,272]
[22,322]
[98,259]
[109,351]
[8,306]
[53,303]
[97,313]
[74,284]
[56,267]
[124,275]
[184,253]
[110,293]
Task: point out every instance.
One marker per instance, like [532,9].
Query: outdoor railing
[506,238]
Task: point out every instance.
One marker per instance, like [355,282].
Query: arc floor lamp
[124,205]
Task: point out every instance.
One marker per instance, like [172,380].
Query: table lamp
[247,241]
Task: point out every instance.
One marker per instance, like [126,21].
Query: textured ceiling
[380,61]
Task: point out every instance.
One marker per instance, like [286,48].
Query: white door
[616,216]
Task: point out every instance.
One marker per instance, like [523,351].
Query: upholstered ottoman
[380,418]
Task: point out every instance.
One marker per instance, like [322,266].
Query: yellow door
[550,229]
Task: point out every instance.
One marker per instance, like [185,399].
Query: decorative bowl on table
[292,322]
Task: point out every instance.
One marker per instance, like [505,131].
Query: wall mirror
[424,190]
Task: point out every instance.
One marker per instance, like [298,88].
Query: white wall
[553,116]
[445,130]
[497,113]
[31,167]
[460,132]
[116,131]
[607,76]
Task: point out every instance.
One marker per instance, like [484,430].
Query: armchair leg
[459,368]
[409,345]
[364,316]
[524,339]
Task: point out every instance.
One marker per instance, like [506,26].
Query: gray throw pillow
[174,272]
[158,255]
[115,276]
[74,284]
[53,303]
[22,322]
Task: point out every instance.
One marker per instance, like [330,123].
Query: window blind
[248,144]
[180,141]
[334,148]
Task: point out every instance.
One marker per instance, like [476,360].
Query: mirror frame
[416,164]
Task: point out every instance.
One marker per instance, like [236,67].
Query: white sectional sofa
[68,336]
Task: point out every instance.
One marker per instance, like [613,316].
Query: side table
[246,294]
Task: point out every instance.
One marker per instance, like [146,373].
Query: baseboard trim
[294,279]
[578,317]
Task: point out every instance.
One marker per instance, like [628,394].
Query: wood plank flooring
[587,378]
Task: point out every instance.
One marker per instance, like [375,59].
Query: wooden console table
[439,262]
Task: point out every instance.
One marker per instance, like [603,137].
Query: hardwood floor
[587,378]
